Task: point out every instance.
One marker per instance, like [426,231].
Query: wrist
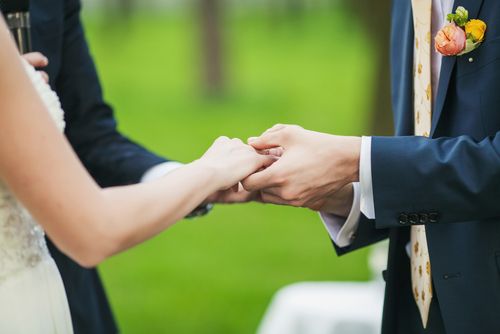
[352,159]
[340,204]
[208,174]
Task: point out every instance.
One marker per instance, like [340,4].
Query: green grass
[218,274]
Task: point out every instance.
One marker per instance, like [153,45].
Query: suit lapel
[448,64]
[402,45]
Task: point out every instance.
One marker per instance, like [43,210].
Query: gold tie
[420,262]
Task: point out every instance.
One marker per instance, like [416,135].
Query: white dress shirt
[160,170]
[342,231]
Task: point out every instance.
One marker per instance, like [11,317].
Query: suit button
[413,218]
[403,219]
[433,217]
[424,218]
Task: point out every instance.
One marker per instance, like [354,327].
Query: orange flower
[450,40]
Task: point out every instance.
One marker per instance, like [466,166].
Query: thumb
[269,140]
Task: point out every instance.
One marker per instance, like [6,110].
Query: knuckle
[280,179]
[288,195]
[222,139]
[294,129]
[287,132]
[247,184]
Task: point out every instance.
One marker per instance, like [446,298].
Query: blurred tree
[376,19]
[126,7]
[121,9]
[211,35]
[295,7]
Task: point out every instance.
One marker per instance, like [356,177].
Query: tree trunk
[126,8]
[376,18]
[213,76]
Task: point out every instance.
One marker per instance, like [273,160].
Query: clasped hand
[298,167]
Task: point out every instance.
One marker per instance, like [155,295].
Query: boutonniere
[461,35]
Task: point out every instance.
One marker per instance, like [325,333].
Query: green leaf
[470,45]
[461,16]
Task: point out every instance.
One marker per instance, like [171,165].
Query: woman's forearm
[130,215]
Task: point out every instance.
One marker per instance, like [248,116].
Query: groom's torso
[47,21]
[465,256]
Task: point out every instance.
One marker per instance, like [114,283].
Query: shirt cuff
[365,178]
[341,230]
[158,171]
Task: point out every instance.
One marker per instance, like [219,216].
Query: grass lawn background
[218,274]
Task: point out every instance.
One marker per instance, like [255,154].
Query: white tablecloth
[326,308]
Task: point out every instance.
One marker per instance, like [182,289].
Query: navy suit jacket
[449,182]
[111,158]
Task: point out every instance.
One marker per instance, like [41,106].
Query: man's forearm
[444,180]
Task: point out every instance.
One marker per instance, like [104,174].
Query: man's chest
[467,99]
[47,30]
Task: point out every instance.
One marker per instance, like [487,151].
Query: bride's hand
[232,161]
[37,60]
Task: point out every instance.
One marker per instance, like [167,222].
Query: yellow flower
[476,29]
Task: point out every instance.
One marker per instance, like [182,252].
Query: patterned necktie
[420,262]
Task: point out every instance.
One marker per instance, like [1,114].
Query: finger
[36,59]
[229,197]
[260,180]
[277,151]
[276,127]
[273,191]
[45,76]
[237,140]
[265,161]
[272,199]
[269,140]
[273,129]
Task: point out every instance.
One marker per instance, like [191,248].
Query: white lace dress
[32,295]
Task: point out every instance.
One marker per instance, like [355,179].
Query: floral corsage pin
[461,35]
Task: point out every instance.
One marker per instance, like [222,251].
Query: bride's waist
[31,278]
[22,240]
[16,259]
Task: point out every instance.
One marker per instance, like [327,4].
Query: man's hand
[234,195]
[339,204]
[312,168]
[38,60]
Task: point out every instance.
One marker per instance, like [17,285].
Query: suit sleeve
[111,158]
[418,180]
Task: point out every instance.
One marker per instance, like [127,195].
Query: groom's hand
[234,195]
[312,169]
